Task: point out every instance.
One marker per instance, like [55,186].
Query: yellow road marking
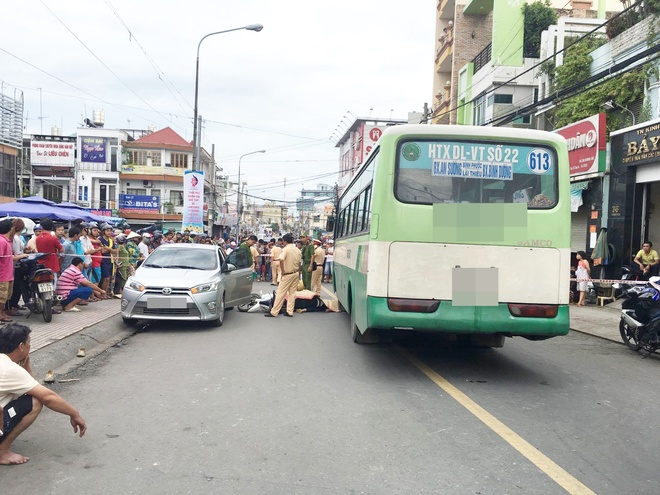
[544,463]
[331,294]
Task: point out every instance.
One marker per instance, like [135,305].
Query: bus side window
[367,207]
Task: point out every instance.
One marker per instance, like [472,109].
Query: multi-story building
[11,140]
[153,167]
[479,51]
[356,143]
[50,168]
[311,206]
[99,152]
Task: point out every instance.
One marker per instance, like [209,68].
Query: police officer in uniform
[289,260]
[307,255]
[317,273]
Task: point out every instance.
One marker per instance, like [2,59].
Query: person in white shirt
[144,247]
[31,245]
[21,396]
[88,249]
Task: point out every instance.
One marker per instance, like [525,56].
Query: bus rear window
[449,171]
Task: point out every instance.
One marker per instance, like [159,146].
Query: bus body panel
[466,320]
[420,270]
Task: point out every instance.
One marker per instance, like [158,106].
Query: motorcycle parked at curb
[38,287]
[640,317]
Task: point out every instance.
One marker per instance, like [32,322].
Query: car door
[238,281]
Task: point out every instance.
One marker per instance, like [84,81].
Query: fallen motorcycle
[257,303]
[640,316]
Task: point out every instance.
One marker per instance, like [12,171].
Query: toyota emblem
[166,291]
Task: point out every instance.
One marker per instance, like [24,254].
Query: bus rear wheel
[368,337]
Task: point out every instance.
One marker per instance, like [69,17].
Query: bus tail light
[413,305]
[534,310]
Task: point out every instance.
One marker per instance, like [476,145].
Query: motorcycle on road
[640,316]
[38,286]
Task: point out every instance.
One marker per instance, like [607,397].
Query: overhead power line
[99,59]
[581,86]
[549,57]
[161,75]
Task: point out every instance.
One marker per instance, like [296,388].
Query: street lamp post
[250,27]
[238,198]
[611,105]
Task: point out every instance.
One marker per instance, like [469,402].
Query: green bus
[457,229]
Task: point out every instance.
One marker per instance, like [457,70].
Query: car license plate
[167,303]
[47,287]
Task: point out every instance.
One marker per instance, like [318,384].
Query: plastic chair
[605,292]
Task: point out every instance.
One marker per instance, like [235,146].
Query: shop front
[587,165]
[634,210]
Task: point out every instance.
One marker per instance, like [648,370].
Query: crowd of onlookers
[92,262]
[265,252]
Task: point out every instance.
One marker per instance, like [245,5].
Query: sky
[284,89]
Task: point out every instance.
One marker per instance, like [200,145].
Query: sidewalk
[66,324]
[599,321]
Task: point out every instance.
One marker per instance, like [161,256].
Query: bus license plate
[47,287]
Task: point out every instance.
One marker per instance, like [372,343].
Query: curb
[60,356]
[75,363]
[596,335]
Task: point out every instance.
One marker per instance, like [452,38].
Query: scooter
[640,317]
[626,275]
[38,286]
[257,303]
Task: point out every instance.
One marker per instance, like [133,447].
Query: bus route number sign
[539,161]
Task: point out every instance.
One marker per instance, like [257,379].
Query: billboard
[131,203]
[586,145]
[52,153]
[93,150]
[193,201]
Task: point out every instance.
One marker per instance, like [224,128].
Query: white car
[186,282]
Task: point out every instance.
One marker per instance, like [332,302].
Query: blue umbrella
[35,207]
[82,212]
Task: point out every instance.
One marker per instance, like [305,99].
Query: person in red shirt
[94,237]
[48,243]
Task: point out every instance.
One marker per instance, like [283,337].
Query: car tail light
[413,305]
[534,310]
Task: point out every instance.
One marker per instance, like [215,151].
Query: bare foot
[9,458]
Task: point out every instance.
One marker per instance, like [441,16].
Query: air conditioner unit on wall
[145,183]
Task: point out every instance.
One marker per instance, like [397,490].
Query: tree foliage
[538,17]
[623,89]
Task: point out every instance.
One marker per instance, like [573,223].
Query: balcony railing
[482,59]
[446,42]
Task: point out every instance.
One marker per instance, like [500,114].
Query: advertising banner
[130,203]
[151,170]
[638,147]
[93,150]
[586,145]
[193,201]
[52,153]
